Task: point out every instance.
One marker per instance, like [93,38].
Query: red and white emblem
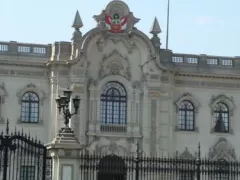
[115,24]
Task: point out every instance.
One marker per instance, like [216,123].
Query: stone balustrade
[64,49]
[192,59]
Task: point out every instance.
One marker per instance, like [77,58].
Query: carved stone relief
[136,84]
[157,93]
[115,64]
[112,148]
[3,93]
[222,150]
[188,97]
[186,154]
[78,88]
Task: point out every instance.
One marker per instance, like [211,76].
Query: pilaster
[53,107]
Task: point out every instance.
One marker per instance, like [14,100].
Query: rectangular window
[177,59]
[227,62]
[3,48]
[27,173]
[212,61]
[192,60]
[24,49]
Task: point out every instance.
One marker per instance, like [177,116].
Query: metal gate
[23,157]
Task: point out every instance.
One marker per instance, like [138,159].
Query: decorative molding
[41,94]
[153,150]
[78,88]
[112,148]
[115,64]
[3,93]
[206,84]
[186,154]
[222,150]
[188,97]
[31,87]
[157,93]
[224,99]
[136,84]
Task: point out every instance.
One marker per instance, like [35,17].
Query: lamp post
[63,105]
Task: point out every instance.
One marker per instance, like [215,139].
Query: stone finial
[155,29]
[77,23]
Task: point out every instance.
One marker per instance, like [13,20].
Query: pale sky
[196,26]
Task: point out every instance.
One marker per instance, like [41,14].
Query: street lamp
[63,105]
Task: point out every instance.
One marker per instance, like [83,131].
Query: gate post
[65,152]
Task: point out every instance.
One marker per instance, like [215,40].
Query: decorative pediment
[223,99]
[115,64]
[186,154]
[3,93]
[33,88]
[222,150]
[188,97]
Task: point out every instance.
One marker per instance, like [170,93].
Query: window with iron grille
[113,106]
[30,108]
[192,60]
[177,59]
[227,62]
[221,117]
[186,116]
[27,173]
[212,61]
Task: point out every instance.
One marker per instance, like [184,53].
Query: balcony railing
[116,128]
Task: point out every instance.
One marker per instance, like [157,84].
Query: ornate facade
[131,90]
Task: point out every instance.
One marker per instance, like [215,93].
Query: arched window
[186,116]
[113,104]
[221,117]
[30,108]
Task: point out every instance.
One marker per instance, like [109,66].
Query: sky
[196,26]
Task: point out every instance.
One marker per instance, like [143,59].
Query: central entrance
[111,167]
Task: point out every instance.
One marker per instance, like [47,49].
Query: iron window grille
[186,116]
[221,118]
[30,108]
[113,108]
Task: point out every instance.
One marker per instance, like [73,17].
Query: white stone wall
[15,85]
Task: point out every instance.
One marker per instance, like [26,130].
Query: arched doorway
[111,167]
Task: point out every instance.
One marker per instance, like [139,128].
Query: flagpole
[167,24]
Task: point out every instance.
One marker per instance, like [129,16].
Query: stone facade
[156,81]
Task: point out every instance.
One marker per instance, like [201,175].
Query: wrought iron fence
[112,167]
[23,157]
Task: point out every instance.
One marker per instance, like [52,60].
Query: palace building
[131,89]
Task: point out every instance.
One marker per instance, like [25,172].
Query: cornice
[24,64]
[215,76]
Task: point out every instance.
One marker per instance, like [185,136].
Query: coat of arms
[115,23]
